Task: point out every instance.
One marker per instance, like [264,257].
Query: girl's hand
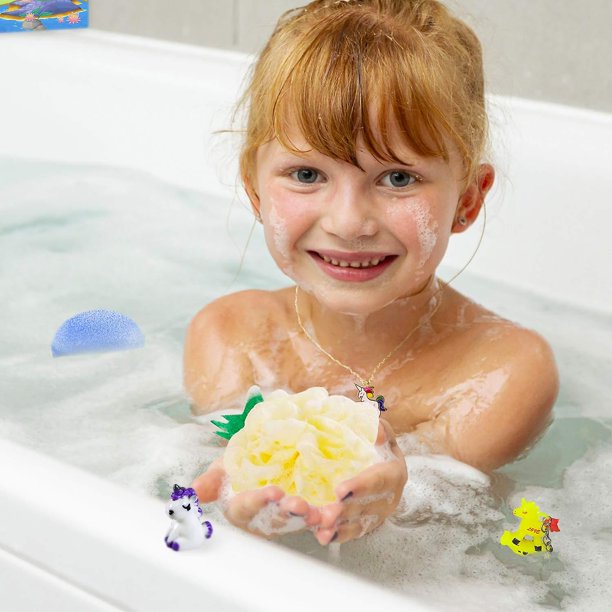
[287,514]
[367,499]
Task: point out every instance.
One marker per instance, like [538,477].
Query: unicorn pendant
[366,394]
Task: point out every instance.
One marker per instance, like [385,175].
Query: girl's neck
[356,339]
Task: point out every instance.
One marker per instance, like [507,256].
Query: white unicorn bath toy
[187,530]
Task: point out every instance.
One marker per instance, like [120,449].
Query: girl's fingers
[374,492]
[208,484]
[381,438]
[351,530]
[347,530]
[294,505]
[298,506]
[244,506]
[380,475]
[325,536]
[369,494]
[313,517]
[330,514]
[386,434]
[374,481]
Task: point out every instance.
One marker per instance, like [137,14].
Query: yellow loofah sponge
[306,444]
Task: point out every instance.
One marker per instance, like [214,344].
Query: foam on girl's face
[409,224]
[279,235]
[427,229]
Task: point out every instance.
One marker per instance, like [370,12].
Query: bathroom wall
[555,50]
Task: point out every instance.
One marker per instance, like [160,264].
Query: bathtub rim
[141,80]
[128,564]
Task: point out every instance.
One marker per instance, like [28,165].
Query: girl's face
[322,218]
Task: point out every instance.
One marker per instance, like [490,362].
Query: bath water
[75,238]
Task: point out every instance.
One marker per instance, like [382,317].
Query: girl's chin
[362,302]
[347,303]
[358,298]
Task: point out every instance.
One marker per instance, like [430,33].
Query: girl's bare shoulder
[217,368]
[489,336]
[494,392]
[232,315]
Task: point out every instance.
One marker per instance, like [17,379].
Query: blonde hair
[327,62]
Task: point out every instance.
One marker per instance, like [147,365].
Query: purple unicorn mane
[178,492]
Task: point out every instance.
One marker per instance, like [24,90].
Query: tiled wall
[556,50]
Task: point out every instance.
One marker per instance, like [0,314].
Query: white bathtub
[97,98]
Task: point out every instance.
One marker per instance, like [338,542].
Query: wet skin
[340,521]
[460,387]
[468,383]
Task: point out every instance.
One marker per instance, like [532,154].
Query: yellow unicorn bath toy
[533,534]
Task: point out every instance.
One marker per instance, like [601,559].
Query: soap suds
[384,452]
[124,416]
[271,521]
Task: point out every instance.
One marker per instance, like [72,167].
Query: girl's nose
[349,214]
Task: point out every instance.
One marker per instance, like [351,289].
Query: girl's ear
[473,198]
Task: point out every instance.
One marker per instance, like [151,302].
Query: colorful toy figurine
[187,529]
[533,534]
[366,394]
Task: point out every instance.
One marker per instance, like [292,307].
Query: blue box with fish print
[38,15]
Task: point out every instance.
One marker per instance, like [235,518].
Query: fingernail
[347,496]
[334,537]
[295,514]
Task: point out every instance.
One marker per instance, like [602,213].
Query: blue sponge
[96,331]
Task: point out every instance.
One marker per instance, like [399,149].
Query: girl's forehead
[273,151]
[274,148]
[272,157]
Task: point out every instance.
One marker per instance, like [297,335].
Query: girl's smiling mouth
[352,267]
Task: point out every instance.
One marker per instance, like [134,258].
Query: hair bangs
[352,80]
[387,75]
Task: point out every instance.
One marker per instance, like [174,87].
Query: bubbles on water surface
[80,238]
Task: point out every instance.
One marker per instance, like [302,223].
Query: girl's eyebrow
[289,155]
[312,155]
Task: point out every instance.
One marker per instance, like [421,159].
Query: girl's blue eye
[306,175]
[398,178]
[401,179]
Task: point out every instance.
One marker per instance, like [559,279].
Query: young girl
[365,134]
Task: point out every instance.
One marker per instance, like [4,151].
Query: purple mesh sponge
[96,331]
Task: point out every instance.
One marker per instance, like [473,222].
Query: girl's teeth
[354,264]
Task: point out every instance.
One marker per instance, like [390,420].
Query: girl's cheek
[286,222]
[421,229]
[277,235]
[427,233]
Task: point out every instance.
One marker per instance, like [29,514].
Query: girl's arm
[217,374]
[216,370]
[493,431]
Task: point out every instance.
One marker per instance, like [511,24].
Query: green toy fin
[235,422]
